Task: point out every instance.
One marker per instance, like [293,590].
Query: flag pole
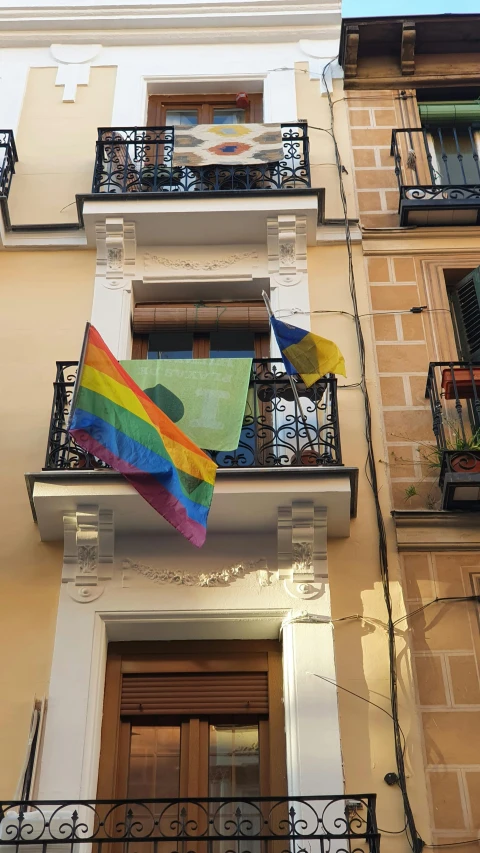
[79,374]
[292,383]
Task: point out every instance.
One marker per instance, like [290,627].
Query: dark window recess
[232,344]
[465,303]
[170,345]
[221,344]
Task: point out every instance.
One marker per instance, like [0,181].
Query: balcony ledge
[224,217]
[245,500]
[436,530]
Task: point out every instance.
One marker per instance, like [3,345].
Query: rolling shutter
[195,693]
[465,300]
[188,317]
[450,112]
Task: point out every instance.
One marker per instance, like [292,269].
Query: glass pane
[154,762]
[234,761]
[232,344]
[182,118]
[170,345]
[228,116]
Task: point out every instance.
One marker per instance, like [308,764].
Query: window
[464,299]
[453,138]
[201,330]
[189,110]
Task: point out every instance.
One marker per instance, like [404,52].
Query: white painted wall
[133,607]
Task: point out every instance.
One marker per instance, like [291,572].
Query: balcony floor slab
[177,219]
[245,501]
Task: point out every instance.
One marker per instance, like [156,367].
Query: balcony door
[193,721]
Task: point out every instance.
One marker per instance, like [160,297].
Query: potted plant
[464,456]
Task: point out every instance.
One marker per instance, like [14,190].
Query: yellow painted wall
[313,106]
[56,145]
[46,299]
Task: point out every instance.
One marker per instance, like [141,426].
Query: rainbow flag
[307,354]
[113,419]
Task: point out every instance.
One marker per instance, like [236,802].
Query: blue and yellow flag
[307,354]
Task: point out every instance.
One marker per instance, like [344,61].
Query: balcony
[453,389]
[438,174]
[282,824]
[140,160]
[8,158]
[273,432]
[280,458]
[135,177]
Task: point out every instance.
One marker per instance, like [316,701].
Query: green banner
[205,397]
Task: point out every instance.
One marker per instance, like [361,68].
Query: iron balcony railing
[140,160]
[453,388]
[433,162]
[8,158]
[326,824]
[274,431]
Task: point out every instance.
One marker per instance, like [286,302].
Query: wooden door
[170,720]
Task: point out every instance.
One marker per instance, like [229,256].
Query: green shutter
[450,113]
[466,305]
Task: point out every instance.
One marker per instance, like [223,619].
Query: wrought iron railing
[453,388]
[327,824]
[140,160]
[435,162]
[275,432]
[8,158]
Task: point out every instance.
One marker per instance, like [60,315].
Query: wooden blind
[195,693]
[188,317]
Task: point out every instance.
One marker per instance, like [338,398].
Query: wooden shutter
[465,301]
[195,693]
[188,317]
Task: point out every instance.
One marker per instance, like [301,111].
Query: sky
[361,8]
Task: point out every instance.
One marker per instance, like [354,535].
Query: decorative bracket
[73,66]
[407,58]
[352,38]
[116,251]
[302,542]
[287,249]
[88,537]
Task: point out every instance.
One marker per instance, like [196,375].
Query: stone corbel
[116,251]
[88,551]
[287,249]
[407,58]
[302,543]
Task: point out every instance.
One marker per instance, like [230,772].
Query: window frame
[159,104]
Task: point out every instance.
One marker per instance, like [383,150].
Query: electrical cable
[435,601]
[385,831]
[415,841]
[358,696]
[452,844]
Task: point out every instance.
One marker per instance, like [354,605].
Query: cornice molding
[452,240]
[164,23]
[431,530]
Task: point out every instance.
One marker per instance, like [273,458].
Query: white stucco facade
[147,583]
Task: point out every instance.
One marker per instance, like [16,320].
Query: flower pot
[465,461]
[465,380]
[305,458]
